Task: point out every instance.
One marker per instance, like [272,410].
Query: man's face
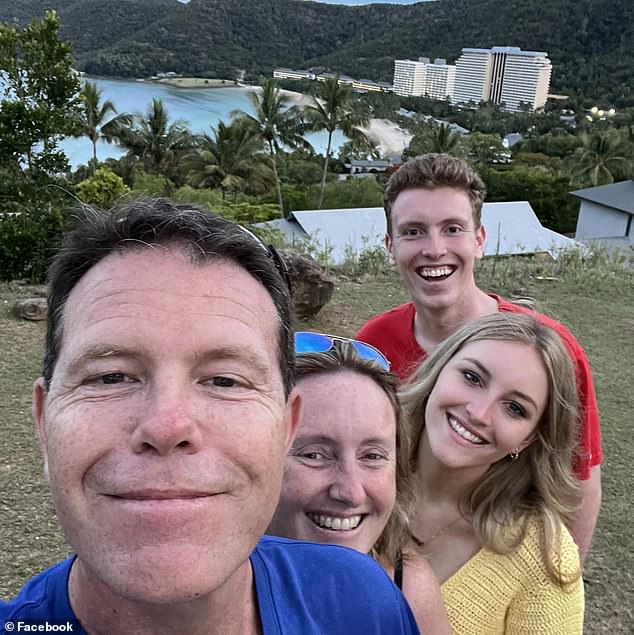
[165,428]
[435,245]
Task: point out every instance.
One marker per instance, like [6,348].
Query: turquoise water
[199,108]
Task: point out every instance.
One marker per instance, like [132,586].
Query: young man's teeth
[464,433]
[435,273]
[336,523]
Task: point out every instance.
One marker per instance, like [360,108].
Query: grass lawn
[597,305]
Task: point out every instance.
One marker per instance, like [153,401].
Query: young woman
[347,477]
[492,415]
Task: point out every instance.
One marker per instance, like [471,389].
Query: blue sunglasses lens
[371,354]
[309,342]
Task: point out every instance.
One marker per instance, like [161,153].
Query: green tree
[278,123]
[604,157]
[436,138]
[158,143]
[547,194]
[232,159]
[95,121]
[102,189]
[39,104]
[484,148]
[335,107]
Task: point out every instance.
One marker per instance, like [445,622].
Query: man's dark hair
[142,224]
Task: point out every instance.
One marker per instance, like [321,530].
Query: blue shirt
[302,589]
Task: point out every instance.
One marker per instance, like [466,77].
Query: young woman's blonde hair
[539,484]
[342,357]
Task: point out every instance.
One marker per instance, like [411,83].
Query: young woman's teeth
[461,431]
[336,523]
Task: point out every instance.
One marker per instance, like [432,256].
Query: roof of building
[512,228]
[615,195]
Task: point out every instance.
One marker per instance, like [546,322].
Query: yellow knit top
[513,594]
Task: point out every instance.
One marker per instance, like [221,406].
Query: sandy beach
[389,137]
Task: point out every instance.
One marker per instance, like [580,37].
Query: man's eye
[373,456]
[113,378]
[313,456]
[223,382]
[412,232]
[454,229]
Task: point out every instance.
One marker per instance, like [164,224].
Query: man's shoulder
[306,587]
[43,597]
[395,315]
[506,306]
[287,555]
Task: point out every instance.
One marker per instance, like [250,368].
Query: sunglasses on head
[309,342]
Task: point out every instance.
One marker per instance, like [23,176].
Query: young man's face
[435,245]
[165,427]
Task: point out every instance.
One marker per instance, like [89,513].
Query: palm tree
[232,159]
[602,158]
[278,124]
[95,123]
[439,139]
[155,141]
[335,107]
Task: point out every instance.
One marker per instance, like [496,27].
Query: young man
[434,236]
[164,414]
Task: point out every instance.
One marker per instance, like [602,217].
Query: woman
[346,479]
[493,420]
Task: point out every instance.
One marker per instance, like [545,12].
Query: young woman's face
[486,403]
[340,478]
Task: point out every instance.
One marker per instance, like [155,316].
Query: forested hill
[588,41]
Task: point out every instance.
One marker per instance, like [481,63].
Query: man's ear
[39,415]
[292,417]
[388,248]
[481,236]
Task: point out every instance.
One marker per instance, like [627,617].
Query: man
[164,415]
[434,236]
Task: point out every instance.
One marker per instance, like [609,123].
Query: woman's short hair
[342,357]
[539,483]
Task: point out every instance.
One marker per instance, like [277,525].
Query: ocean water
[200,108]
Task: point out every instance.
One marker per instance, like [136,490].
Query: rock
[312,287]
[31,308]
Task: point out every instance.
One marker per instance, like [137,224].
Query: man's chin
[161,575]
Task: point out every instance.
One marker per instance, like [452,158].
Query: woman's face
[486,403]
[340,477]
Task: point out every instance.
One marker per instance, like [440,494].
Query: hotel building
[502,75]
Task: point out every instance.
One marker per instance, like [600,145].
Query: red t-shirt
[392,333]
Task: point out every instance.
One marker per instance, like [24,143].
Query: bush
[102,189]
[27,241]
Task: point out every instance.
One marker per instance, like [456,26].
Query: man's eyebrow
[100,351]
[244,354]
[516,393]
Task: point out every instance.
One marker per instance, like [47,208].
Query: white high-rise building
[409,78]
[440,80]
[422,78]
[526,78]
[502,75]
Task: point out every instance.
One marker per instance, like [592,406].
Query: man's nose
[169,423]
[434,245]
[347,486]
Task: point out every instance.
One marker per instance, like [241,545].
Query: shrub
[102,189]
